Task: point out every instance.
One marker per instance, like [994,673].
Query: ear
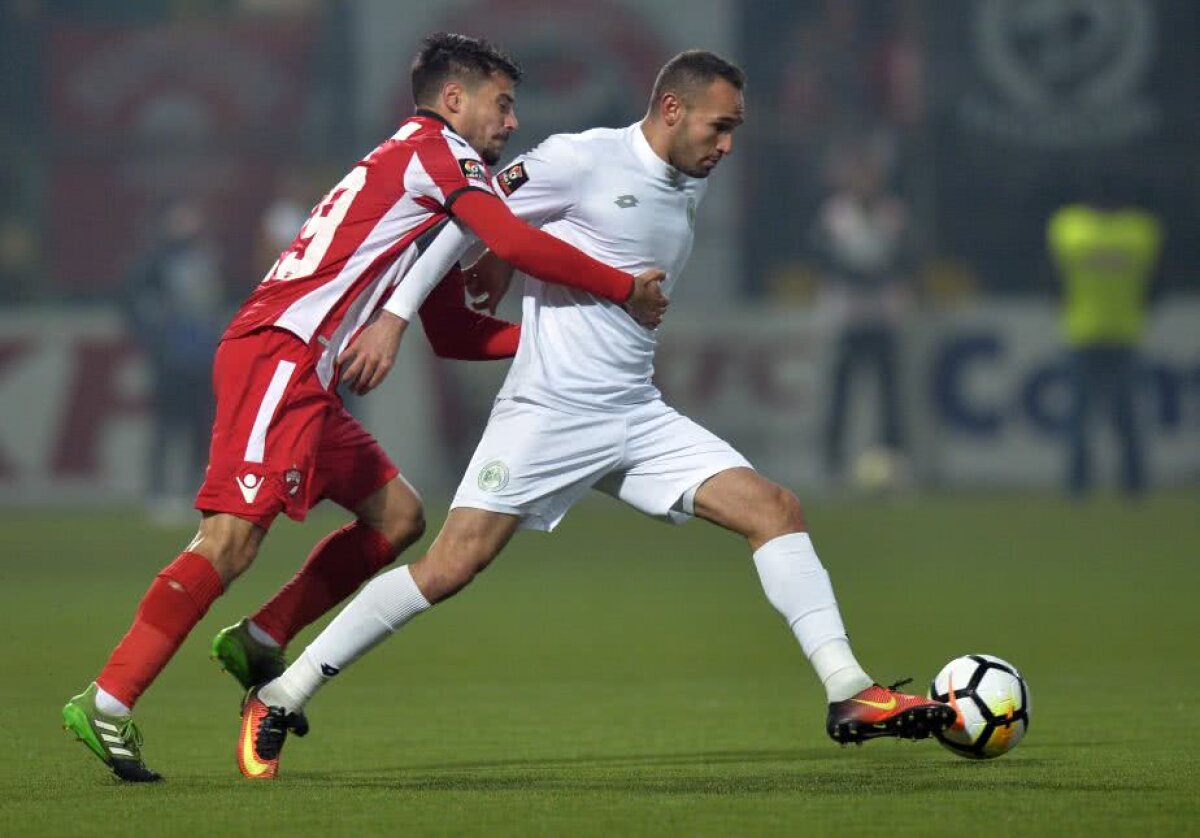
[670,109]
[453,98]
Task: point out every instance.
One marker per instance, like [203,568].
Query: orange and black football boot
[264,730]
[882,711]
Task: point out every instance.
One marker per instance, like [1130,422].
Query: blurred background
[955,247]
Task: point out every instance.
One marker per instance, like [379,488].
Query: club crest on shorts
[493,476]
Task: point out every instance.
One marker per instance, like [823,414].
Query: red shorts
[281,442]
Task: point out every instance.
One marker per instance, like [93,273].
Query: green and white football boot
[252,663]
[116,740]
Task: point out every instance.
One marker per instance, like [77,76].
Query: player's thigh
[534,463]
[666,455]
[742,500]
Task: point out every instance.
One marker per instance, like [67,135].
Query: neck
[434,113]
[656,136]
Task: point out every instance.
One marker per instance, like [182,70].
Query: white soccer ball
[992,702]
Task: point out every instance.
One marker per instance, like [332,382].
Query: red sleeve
[454,331]
[536,253]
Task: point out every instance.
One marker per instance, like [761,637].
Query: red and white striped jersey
[357,243]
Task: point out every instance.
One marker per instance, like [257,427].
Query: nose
[510,122]
[725,144]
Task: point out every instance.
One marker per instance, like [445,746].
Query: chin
[492,156]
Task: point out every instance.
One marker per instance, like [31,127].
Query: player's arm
[459,181]
[439,253]
[538,254]
[454,331]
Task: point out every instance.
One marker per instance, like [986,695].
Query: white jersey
[606,192]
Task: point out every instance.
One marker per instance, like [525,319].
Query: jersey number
[305,255]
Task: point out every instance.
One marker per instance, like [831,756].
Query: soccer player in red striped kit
[282,440]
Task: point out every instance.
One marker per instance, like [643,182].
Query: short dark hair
[692,71]
[445,55]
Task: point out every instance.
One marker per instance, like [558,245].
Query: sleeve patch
[512,178]
[473,170]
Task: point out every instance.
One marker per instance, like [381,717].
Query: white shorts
[536,462]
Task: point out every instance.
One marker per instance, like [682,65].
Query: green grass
[619,677]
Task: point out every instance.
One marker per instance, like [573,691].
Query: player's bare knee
[442,573]
[234,557]
[782,513]
[404,527]
[230,544]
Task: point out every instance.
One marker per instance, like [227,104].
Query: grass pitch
[621,677]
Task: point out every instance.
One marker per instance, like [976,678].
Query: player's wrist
[393,320]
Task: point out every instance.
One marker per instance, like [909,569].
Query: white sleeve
[543,184]
[431,266]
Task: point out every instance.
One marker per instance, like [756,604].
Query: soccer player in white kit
[579,411]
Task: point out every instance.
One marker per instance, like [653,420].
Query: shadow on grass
[813,770]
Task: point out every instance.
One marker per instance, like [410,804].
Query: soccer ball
[992,702]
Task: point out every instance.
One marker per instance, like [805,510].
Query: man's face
[704,136]
[489,116]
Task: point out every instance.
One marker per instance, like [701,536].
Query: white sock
[839,671]
[261,636]
[109,704]
[797,585]
[384,605]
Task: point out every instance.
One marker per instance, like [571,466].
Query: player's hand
[366,362]
[487,282]
[647,303]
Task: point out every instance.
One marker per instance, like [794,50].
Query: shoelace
[272,731]
[899,684]
[131,734]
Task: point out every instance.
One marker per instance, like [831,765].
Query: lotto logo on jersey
[473,169]
[512,178]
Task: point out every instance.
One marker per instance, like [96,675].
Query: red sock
[176,600]
[335,568]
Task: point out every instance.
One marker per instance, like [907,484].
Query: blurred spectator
[18,260]
[282,220]
[863,239]
[1106,255]
[176,308]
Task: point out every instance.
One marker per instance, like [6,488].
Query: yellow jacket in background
[1106,259]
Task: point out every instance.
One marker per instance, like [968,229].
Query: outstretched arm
[538,254]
